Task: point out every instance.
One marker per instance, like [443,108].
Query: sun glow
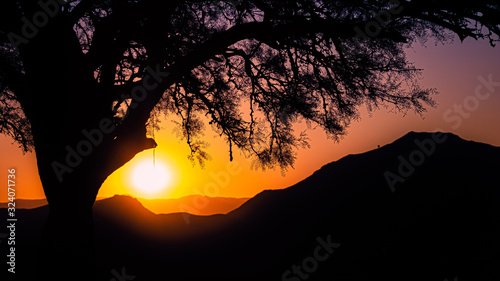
[150,180]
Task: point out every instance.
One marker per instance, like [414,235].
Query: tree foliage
[252,67]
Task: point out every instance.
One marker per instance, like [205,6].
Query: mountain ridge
[213,205]
[415,231]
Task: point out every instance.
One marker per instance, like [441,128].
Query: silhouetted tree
[79,80]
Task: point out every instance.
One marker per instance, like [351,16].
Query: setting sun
[148,179]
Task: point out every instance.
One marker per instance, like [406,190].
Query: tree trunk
[66,249]
[67,245]
[72,124]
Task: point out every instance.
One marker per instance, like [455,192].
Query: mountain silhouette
[425,207]
[27,203]
[194,204]
[210,205]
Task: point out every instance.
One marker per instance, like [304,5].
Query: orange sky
[453,69]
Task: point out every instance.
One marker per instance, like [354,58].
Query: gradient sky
[454,69]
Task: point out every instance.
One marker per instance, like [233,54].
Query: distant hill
[416,209]
[27,203]
[191,204]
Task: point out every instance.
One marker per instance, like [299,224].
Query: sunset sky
[454,69]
